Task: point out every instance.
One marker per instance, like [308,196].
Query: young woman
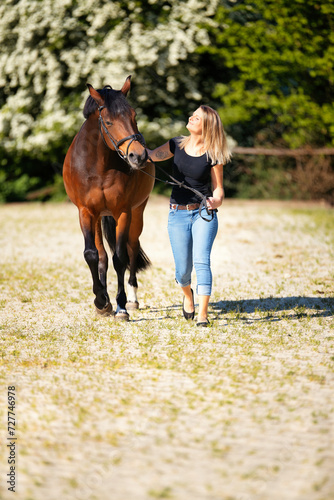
[198,162]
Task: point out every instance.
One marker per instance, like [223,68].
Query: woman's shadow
[277,308]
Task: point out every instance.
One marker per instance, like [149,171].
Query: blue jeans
[191,239]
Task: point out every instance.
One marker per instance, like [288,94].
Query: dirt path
[156,408]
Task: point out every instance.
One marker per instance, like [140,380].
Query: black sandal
[203,323]
[185,313]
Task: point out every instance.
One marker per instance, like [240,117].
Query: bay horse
[103,177]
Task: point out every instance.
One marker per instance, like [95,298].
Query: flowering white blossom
[49,50]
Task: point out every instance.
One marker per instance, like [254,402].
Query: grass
[156,408]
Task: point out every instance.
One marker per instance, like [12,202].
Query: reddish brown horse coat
[100,183]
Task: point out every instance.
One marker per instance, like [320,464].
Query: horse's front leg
[88,224]
[120,261]
[102,266]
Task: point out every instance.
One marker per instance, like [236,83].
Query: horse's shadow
[251,310]
[277,308]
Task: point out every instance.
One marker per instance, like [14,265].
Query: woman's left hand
[212,203]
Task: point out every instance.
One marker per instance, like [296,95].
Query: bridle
[134,137]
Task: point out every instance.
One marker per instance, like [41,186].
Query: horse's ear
[95,95]
[126,87]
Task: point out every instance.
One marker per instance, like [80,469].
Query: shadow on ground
[295,307]
[277,309]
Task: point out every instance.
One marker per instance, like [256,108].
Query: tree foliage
[49,50]
[274,70]
[266,65]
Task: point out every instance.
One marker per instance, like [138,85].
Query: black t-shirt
[194,171]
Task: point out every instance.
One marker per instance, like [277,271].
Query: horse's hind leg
[88,224]
[132,303]
[135,231]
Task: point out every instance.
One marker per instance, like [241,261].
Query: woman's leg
[204,234]
[203,308]
[189,305]
[180,236]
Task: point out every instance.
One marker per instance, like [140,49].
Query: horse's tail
[109,231]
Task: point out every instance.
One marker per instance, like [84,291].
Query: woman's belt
[193,206]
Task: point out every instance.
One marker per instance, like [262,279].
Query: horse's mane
[115,102]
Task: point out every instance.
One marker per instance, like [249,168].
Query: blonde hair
[214,137]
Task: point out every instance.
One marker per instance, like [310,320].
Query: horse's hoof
[122,315]
[106,311]
[132,305]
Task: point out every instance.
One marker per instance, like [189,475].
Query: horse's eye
[108,123]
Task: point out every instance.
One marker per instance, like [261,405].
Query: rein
[134,137]
[183,185]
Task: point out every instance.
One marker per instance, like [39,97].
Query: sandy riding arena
[156,408]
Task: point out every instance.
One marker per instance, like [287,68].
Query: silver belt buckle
[187,207]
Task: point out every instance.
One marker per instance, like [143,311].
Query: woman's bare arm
[218,194]
[161,153]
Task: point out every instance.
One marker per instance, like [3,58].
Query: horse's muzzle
[136,160]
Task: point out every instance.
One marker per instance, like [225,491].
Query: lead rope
[175,182]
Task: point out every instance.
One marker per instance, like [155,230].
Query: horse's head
[117,122]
